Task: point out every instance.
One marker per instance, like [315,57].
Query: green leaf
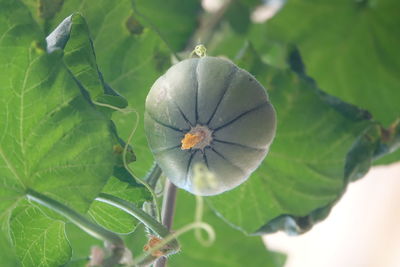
[350,48]
[38,240]
[231,248]
[131,65]
[387,159]
[72,35]
[129,60]
[113,218]
[174,20]
[8,257]
[79,54]
[51,137]
[307,168]
[238,15]
[276,54]
[44,10]
[80,242]
[273,53]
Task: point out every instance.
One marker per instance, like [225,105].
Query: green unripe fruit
[209,124]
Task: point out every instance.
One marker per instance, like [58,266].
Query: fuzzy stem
[148,221]
[79,220]
[138,213]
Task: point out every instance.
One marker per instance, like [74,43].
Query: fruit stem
[153,176]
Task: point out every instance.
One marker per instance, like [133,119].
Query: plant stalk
[169,201]
[136,212]
[82,222]
[154,175]
[171,247]
[168,212]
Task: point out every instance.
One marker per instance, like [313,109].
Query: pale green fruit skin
[215,93]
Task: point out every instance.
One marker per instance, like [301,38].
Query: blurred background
[361,231]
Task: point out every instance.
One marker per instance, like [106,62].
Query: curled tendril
[201,225]
[125,151]
[202,177]
[199,50]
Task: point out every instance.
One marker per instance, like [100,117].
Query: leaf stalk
[111,239]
